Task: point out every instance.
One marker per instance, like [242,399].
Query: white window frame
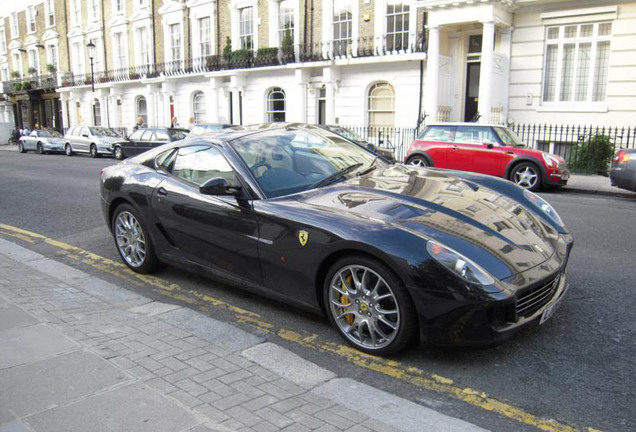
[3,41]
[270,112]
[141,4]
[560,42]
[120,49]
[396,34]
[143,55]
[281,30]
[4,72]
[246,38]
[116,10]
[79,57]
[203,44]
[49,11]
[16,62]
[235,7]
[175,41]
[30,20]
[76,13]
[369,104]
[33,59]
[97,112]
[94,9]
[15,25]
[200,115]
[50,58]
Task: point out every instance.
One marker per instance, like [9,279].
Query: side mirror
[219,186]
[488,144]
[85,135]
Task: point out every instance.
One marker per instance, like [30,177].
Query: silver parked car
[43,141]
[94,140]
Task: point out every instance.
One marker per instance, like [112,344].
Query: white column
[506,47]
[330,76]
[432,75]
[212,99]
[151,103]
[236,105]
[485,75]
[296,103]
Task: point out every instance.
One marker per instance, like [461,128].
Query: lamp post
[91,54]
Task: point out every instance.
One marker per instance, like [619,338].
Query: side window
[198,164]
[162,136]
[164,160]
[438,134]
[136,135]
[147,135]
[475,135]
[84,131]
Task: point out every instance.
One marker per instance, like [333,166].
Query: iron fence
[396,139]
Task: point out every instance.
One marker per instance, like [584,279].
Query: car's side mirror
[219,186]
[488,144]
[85,135]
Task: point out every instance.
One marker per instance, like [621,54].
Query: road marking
[391,368]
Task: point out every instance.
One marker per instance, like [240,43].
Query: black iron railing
[28,83]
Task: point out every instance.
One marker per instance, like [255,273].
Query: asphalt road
[578,368]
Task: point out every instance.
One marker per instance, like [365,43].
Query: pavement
[578,183]
[80,353]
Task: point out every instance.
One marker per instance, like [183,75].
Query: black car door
[130,147]
[145,143]
[219,232]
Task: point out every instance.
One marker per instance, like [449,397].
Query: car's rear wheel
[68,150]
[94,153]
[132,240]
[526,175]
[41,149]
[21,147]
[119,153]
[418,161]
[369,305]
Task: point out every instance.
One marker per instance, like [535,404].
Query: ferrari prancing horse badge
[303,237]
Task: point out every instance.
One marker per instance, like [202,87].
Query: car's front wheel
[132,240]
[526,175]
[369,305]
[418,161]
[68,150]
[41,149]
[21,147]
[93,150]
[119,153]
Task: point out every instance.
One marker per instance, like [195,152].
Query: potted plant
[32,71]
[227,50]
[17,86]
[288,47]
[15,74]
[67,80]
[26,85]
[51,68]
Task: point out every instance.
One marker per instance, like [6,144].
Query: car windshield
[349,134]
[291,161]
[103,132]
[177,134]
[203,129]
[508,137]
[50,134]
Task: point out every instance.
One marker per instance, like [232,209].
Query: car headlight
[461,266]
[543,205]
[550,160]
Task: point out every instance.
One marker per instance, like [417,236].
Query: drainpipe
[104,45]
[68,44]
[311,29]
[419,111]
[154,35]
[305,27]
[218,29]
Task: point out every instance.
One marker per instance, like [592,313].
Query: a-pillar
[212,98]
[485,75]
[432,75]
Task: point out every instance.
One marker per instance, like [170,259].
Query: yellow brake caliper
[344,299]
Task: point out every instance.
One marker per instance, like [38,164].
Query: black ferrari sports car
[389,252]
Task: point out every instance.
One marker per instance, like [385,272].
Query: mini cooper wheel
[369,306]
[21,147]
[119,153]
[526,175]
[418,161]
[132,240]
[41,149]
[93,150]
[68,150]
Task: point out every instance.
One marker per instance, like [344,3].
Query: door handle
[454,147]
[161,191]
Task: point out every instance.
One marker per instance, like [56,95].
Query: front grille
[535,298]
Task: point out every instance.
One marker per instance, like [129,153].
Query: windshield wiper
[335,176]
[370,168]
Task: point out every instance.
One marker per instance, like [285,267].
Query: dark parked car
[387,154]
[204,128]
[487,149]
[623,172]
[388,252]
[145,139]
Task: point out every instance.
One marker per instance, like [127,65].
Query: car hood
[492,229]
[111,140]
[56,141]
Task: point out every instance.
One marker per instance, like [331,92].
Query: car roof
[465,124]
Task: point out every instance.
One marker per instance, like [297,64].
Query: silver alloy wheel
[364,307]
[119,155]
[93,150]
[68,150]
[40,148]
[418,162]
[130,238]
[526,177]
[20,147]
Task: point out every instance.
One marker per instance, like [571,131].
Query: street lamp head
[91,48]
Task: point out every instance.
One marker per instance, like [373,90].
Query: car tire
[68,150]
[41,149]
[21,147]
[526,175]
[127,238]
[388,295]
[93,150]
[118,153]
[418,161]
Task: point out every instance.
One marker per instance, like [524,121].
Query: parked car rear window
[103,132]
[438,133]
[176,135]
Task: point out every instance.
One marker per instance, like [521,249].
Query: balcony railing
[28,83]
[377,46]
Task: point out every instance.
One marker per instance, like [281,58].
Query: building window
[119,6]
[5,73]
[17,63]
[97,113]
[141,109]
[30,15]
[33,60]
[52,55]
[3,41]
[76,12]
[144,45]
[342,27]
[94,5]
[205,44]
[381,105]
[15,32]
[276,105]
[397,26]
[120,50]
[78,58]
[246,28]
[175,42]
[49,11]
[199,107]
[285,21]
[577,63]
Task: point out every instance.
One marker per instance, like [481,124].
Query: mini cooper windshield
[293,160]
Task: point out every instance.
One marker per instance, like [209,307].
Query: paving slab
[12,317]
[288,365]
[135,407]
[153,308]
[394,411]
[19,254]
[33,343]
[117,296]
[216,332]
[34,387]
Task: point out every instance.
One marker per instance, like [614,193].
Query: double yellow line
[394,369]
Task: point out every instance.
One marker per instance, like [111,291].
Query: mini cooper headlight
[461,266]
[550,160]
[543,205]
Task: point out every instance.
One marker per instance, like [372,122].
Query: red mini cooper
[486,149]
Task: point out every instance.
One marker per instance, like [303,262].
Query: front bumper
[105,150]
[53,147]
[624,176]
[557,176]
